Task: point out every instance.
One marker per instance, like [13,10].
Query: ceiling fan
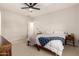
[30,6]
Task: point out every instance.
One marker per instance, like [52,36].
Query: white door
[30,29]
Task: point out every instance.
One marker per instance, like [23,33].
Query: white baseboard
[19,41]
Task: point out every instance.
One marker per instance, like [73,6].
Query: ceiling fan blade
[24,7]
[26,4]
[36,8]
[34,4]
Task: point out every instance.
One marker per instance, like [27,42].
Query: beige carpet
[21,49]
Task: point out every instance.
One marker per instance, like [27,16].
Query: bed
[52,42]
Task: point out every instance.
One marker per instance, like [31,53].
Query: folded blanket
[55,46]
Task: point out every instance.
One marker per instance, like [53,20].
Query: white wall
[14,26]
[0,22]
[66,20]
[0,27]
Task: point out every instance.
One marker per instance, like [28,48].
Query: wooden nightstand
[70,39]
[5,47]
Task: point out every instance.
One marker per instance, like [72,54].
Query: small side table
[70,39]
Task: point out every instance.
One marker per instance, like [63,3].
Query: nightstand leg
[65,42]
[73,43]
[28,43]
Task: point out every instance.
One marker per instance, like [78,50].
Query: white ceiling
[44,8]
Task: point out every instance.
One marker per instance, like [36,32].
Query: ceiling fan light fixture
[30,9]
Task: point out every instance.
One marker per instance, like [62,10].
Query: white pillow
[60,34]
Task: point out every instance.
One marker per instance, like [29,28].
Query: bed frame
[41,47]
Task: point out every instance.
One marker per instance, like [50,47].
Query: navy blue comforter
[44,40]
